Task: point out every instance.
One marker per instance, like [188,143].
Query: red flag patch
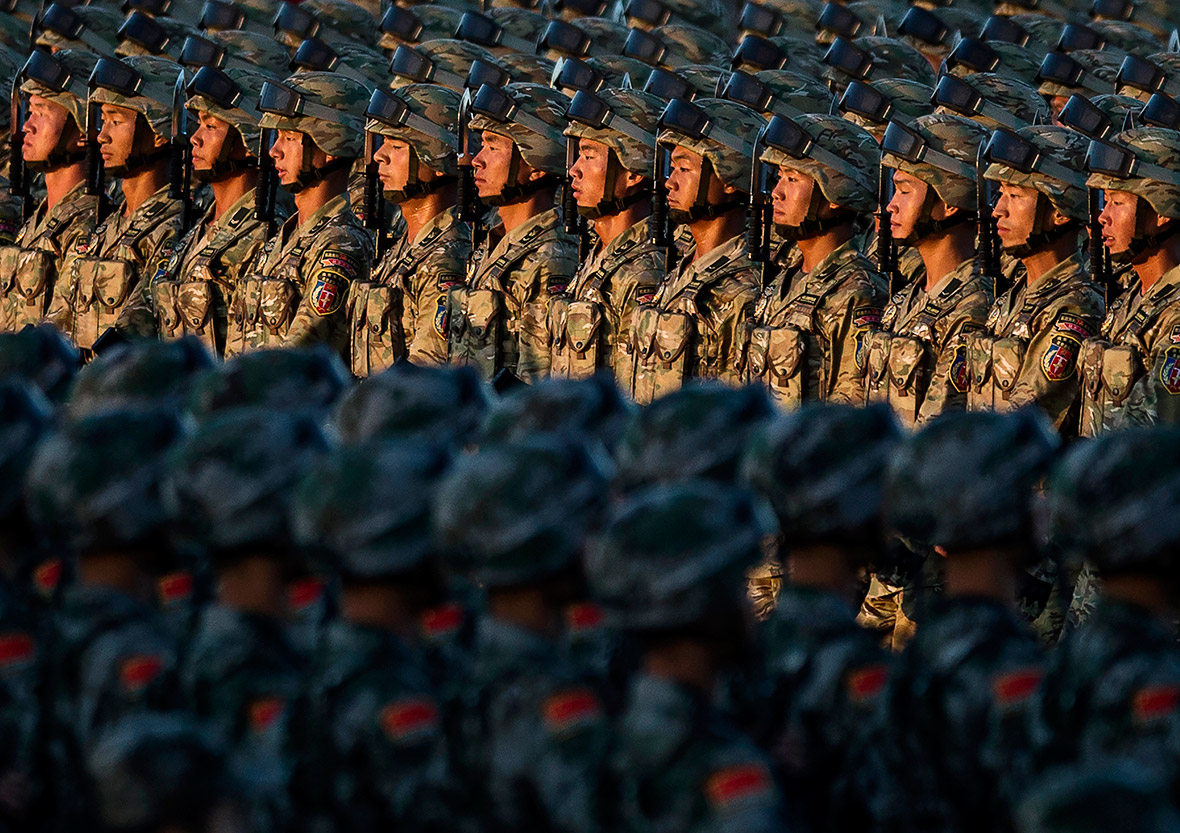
[866,683]
[47,576]
[138,672]
[410,718]
[175,587]
[571,709]
[263,713]
[737,783]
[583,617]
[442,621]
[303,594]
[1016,686]
[16,648]
[1154,702]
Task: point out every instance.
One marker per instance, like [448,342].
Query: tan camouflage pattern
[958,21]
[339,19]
[607,37]
[162,74]
[80,64]
[1128,37]
[591,323]
[797,90]
[176,31]
[1030,352]
[543,152]
[265,53]
[1160,147]
[100,22]
[402,309]
[635,107]
[911,100]
[243,120]
[447,55]
[693,327]
[1063,146]
[711,15]
[807,338]
[438,105]
[693,45]
[344,138]
[437,22]
[853,185]
[1101,69]
[530,69]
[499,320]
[294,293]
[731,165]
[891,59]
[955,136]
[1009,94]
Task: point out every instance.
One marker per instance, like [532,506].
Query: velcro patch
[345,264]
[16,648]
[440,315]
[409,719]
[571,709]
[47,576]
[1155,702]
[303,594]
[1060,359]
[443,620]
[1016,686]
[1170,370]
[864,684]
[862,348]
[175,587]
[1072,325]
[958,376]
[866,317]
[138,672]
[737,783]
[327,295]
[1175,337]
[583,617]
[263,713]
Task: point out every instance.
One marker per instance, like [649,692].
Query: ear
[631,179]
[1058,219]
[949,211]
[157,140]
[728,189]
[534,174]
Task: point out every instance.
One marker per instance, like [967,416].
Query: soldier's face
[494,162]
[685,179]
[791,197]
[1118,220]
[589,172]
[287,152]
[393,159]
[43,127]
[905,209]
[1015,213]
[208,141]
[118,139]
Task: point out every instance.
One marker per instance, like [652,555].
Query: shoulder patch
[1154,702]
[441,319]
[16,648]
[1016,686]
[47,576]
[347,265]
[583,617]
[866,683]
[175,587]
[1061,357]
[409,719]
[327,295]
[136,673]
[442,621]
[958,375]
[263,713]
[1170,370]
[303,594]
[735,784]
[1072,324]
[866,317]
[571,709]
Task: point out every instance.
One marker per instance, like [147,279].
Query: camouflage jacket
[499,320]
[682,768]
[10,206]
[192,294]
[1031,351]
[693,327]
[106,271]
[533,735]
[590,325]
[1131,371]
[28,268]
[402,309]
[808,337]
[918,363]
[293,295]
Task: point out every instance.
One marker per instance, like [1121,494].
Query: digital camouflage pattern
[1100,71]
[634,107]
[344,136]
[710,15]
[1158,146]
[340,20]
[263,52]
[99,27]
[79,63]
[1014,62]
[890,59]
[1013,96]
[911,100]
[176,32]
[794,90]
[955,136]
[690,45]
[853,185]
[1127,36]
[731,165]
[1065,147]
[155,101]
[245,117]
[545,152]
[436,22]
[527,69]
[139,376]
[450,61]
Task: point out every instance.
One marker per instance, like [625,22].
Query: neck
[686,661]
[380,606]
[711,232]
[611,226]
[815,249]
[1158,263]
[821,567]
[982,573]
[138,188]
[419,211]
[314,197]
[253,584]
[112,570]
[1042,260]
[59,181]
[517,214]
[1143,591]
[232,188]
[943,253]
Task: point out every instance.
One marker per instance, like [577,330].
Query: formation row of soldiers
[530,218]
[252,596]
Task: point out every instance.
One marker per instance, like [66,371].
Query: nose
[480,161]
[1104,218]
[576,170]
[275,151]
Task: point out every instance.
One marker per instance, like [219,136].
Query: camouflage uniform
[1035,333]
[590,324]
[401,310]
[1003,101]
[879,58]
[295,291]
[1130,373]
[498,321]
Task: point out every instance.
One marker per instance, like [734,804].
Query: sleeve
[425,316]
[1156,396]
[947,391]
[849,317]
[635,284]
[1048,375]
[732,326]
[544,273]
[328,272]
[137,318]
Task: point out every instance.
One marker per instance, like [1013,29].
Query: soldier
[669,570]
[205,269]
[306,380]
[54,145]
[991,100]
[807,339]
[106,269]
[42,356]
[533,733]
[1130,373]
[919,362]
[1036,329]
[953,744]
[612,142]
[825,672]
[591,409]
[402,309]
[93,488]
[694,326]
[295,290]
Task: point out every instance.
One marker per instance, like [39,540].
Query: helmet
[529,69]
[699,431]
[579,409]
[1066,148]
[97,481]
[1096,797]
[676,555]
[966,480]
[1123,35]
[1097,73]
[956,137]
[265,53]
[1003,101]
[440,107]
[229,486]
[1167,64]
[340,101]
[515,514]
[142,375]
[936,31]
[42,356]
[906,101]
[540,143]
[368,507]
[417,24]
[1109,501]
[307,380]
[873,58]
[72,95]
[688,82]
[854,184]
[781,91]
[25,417]
[582,37]
[709,15]
[770,19]
[364,63]
[1155,145]
[243,114]
[822,468]
[445,61]
[154,99]
[142,34]
[406,401]
[972,55]
[675,45]
[857,19]
[90,28]
[338,19]
[615,67]
[636,108]
[728,155]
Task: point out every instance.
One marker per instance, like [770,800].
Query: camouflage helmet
[822,468]
[1059,145]
[418,24]
[1097,797]
[934,32]
[406,401]
[514,514]
[1011,60]
[503,30]
[1125,36]
[617,67]
[634,107]
[1116,108]
[1167,64]
[254,48]
[244,117]
[693,81]
[1108,501]
[675,555]
[852,185]
[780,91]
[25,417]
[1098,71]
[345,98]
[445,61]
[142,375]
[1040,27]
[1002,101]
[729,155]
[159,772]
[585,409]
[367,507]
[699,431]
[259,13]
[767,19]
[229,485]
[541,143]
[709,15]
[953,136]
[85,28]
[582,37]
[966,480]
[96,482]
[857,19]
[906,101]
[673,46]
[160,35]
[79,65]
[336,19]
[309,379]
[358,61]
[154,99]
[42,356]
[440,107]
[1156,146]
[527,69]
[14,33]
[873,58]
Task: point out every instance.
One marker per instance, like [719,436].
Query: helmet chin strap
[927,226]
[616,205]
[701,208]
[517,191]
[224,167]
[137,163]
[1142,241]
[310,176]
[1042,235]
[813,225]
[415,186]
[65,152]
